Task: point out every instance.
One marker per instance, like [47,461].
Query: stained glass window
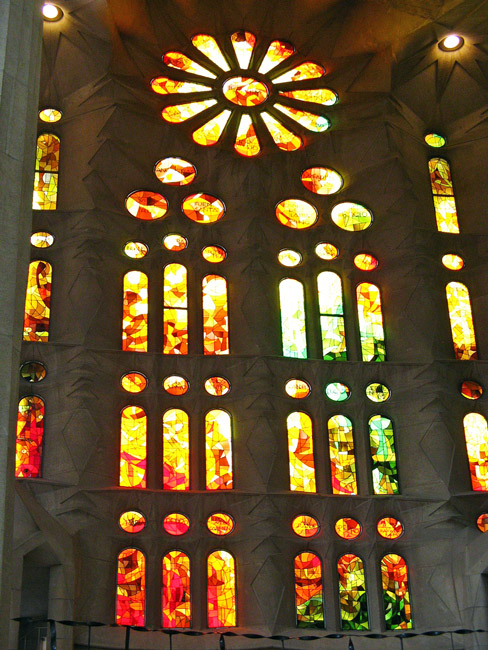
[131,587]
[293,327]
[305,526]
[461,317]
[46,175]
[218,450]
[175,312]
[396,597]
[382,443]
[133,429]
[342,458]
[37,302]
[332,316]
[132,521]
[220,524]
[389,528]
[30,433]
[352,593]
[176,450]
[348,528]
[176,524]
[203,208]
[476,435]
[309,590]
[135,312]
[221,590]
[146,206]
[443,195]
[175,385]
[175,171]
[371,331]
[300,452]
[176,590]
[215,315]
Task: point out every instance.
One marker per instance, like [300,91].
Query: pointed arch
[221,590]
[218,450]
[461,319]
[131,587]
[45,195]
[342,457]
[135,312]
[443,195]
[396,596]
[331,307]
[371,332]
[37,311]
[215,315]
[476,436]
[309,590]
[30,434]
[133,434]
[300,452]
[383,455]
[352,593]
[176,601]
[176,450]
[293,325]
[175,309]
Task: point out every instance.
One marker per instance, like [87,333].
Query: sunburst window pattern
[133,434]
[176,590]
[309,590]
[30,433]
[221,590]
[176,450]
[352,593]
[300,452]
[135,312]
[38,302]
[342,457]
[332,316]
[461,318]
[131,587]
[443,195]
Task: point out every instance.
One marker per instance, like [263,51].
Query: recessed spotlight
[451,43]
[51,12]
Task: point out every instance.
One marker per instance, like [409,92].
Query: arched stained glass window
[46,175]
[293,326]
[131,587]
[309,590]
[176,590]
[215,315]
[342,458]
[176,450]
[332,316]
[218,450]
[38,302]
[382,443]
[370,316]
[133,433]
[221,590]
[396,597]
[135,311]
[300,452]
[476,435]
[175,312]
[30,432]
[352,593]
[461,317]
[443,195]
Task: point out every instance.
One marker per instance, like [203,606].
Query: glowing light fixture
[51,12]
[451,43]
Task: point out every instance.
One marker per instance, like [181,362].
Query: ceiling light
[51,12]
[451,43]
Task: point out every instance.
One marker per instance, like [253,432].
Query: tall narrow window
[332,316]
[46,176]
[300,452]
[309,590]
[443,195]
[176,590]
[352,593]
[396,597]
[342,458]
[476,435]
[461,317]
[134,317]
[176,450]
[221,590]
[215,315]
[38,302]
[131,587]
[370,316]
[133,431]
[382,443]
[218,450]
[293,326]
[30,432]
[175,312]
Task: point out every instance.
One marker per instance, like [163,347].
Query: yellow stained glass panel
[221,590]
[476,436]
[370,316]
[182,62]
[167,86]
[218,450]
[300,452]
[282,137]
[461,317]
[243,44]
[182,112]
[133,432]
[208,46]
[215,315]
[176,450]
[342,458]
[312,122]
[37,302]
[443,195]
[135,312]
[278,51]
[175,312]
[323,96]
[210,133]
[247,141]
[307,70]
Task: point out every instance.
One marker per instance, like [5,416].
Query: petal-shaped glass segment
[278,51]
[135,249]
[133,382]
[182,112]
[220,524]
[283,138]
[471,389]
[305,526]
[365,262]
[322,180]
[176,524]
[245,91]
[323,96]
[175,171]
[289,257]
[208,45]
[176,450]
[293,325]
[297,388]
[453,262]
[435,140]
[295,213]
[210,133]
[307,70]
[146,205]
[247,142]
[203,208]
[214,254]
[326,251]
[175,385]
[389,528]
[50,115]
[42,239]
[175,242]
[348,528]
[167,86]
[181,62]
[217,386]
[132,521]
[351,216]
[243,44]
[312,122]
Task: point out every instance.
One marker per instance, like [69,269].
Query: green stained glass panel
[382,443]
[352,593]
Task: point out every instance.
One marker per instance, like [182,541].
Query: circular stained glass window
[214,254]
[377,392]
[245,91]
[133,382]
[471,389]
[351,216]
[453,262]
[50,115]
[482,522]
[295,213]
[203,208]
[337,392]
[326,251]
[146,206]
[322,180]
[305,526]
[348,528]
[175,171]
[176,524]
[135,249]
[33,371]
[42,239]
[365,262]
[220,524]
[175,242]
[390,528]
[435,140]
[289,257]
[297,388]
[175,385]
[217,386]
[132,521]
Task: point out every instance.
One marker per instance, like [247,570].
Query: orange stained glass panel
[214,254]
[30,433]
[135,312]
[175,171]
[348,528]
[182,112]
[310,121]
[146,205]
[365,262]
[176,590]
[175,242]
[176,450]
[176,524]
[390,528]
[243,44]
[210,133]
[175,385]
[476,436]
[305,526]
[461,318]
[203,208]
[133,433]
[283,138]
[217,386]
[134,382]
[326,251]
[482,522]
[297,388]
[220,524]
[215,315]
[182,62]
[323,96]
[245,91]
[471,389]
[221,590]
[443,195]
[300,452]
[308,590]
[247,141]
[47,154]
[396,597]
[132,521]
[278,51]
[208,46]
[175,311]
[131,587]
[167,86]
[218,450]
[342,457]
[37,302]
[307,70]
[322,180]
[295,213]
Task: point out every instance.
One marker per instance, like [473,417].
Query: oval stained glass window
[295,213]
[389,528]
[175,242]
[471,389]
[217,386]
[365,262]
[351,216]
[33,372]
[453,262]
[50,115]
[377,392]
[348,528]
[175,385]
[176,524]
[482,522]
[132,521]
[135,249]
[133,382]
[175,171]
[322,180]
[337,392]
[145,205]
[305,526]
[288,257]
[214,254]
[220,524]
[203,208]
[245,91]
[42,239]
[435,140]
[297,388]
[326,251]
